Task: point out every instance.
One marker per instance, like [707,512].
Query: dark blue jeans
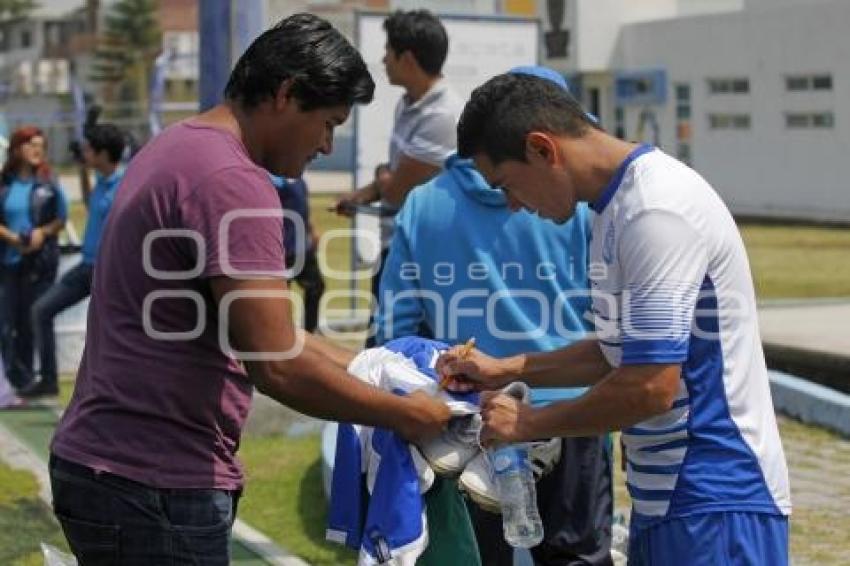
[72,288]
[110,520]
[311,281]
[21,285]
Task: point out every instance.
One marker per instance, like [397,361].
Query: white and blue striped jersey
[671,284]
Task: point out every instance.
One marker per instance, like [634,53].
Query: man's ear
[541,147]
[284,95]
[407,58]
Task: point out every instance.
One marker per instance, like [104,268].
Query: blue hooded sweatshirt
[462,264]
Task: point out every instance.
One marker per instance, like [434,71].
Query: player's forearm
[367,194]
[312,384]
[8,236]
[338,356]
[580,364]
[53,228]
[620,400]
[394,193]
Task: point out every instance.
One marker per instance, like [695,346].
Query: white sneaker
[478,480]
[543,456]
[449,453]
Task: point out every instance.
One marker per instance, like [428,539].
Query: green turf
[283,496]
[798,261]
[25,520]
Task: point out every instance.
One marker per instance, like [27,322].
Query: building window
[620,122]
[593,95]
[796,120]
[737,85]
[683,122]
[823,120]
[729,121]
[822,82]
[805,120]
[26,39]
[798,83]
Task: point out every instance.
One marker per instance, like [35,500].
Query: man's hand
[430,418]
[505,419]
[36,241]
[15,241]
[475,370]
[346,205]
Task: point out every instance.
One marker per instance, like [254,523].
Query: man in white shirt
[425,120]
[677,362]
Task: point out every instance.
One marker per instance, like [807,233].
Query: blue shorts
[712,539]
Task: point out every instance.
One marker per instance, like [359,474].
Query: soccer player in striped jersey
[676,363]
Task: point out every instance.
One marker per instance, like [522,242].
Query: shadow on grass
[313,511]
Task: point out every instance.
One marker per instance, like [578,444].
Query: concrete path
[816,325]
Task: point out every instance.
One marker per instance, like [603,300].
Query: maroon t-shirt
[158,400]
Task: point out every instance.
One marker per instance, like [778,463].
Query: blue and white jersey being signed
[671,284]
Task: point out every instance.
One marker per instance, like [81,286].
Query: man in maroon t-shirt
[189,313]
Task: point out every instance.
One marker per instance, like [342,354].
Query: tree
[12,9]
[130,41]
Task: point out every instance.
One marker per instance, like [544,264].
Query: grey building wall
[768,169]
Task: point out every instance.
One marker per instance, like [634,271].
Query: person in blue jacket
[33,211]
[461,265]
[102,150]
[300,251]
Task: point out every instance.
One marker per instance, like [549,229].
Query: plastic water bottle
[515,481]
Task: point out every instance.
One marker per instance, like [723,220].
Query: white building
[747,91]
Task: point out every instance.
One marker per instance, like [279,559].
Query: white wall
[759,4]
[694,7]
[599,23]
[767,170]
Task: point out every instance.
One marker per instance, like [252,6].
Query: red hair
[14,161]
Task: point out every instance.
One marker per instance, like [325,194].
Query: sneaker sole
[486,503]
[445,471]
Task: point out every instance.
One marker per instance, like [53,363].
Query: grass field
[24,520]
[798,261]
[283,497]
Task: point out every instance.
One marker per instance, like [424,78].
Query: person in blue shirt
[102,151]
[299,246]
[465,263]
[33,211]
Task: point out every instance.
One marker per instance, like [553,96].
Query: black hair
[421,33]
[326,70]
[504,110]
[106,137]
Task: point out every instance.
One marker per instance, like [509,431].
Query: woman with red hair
[33,211]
